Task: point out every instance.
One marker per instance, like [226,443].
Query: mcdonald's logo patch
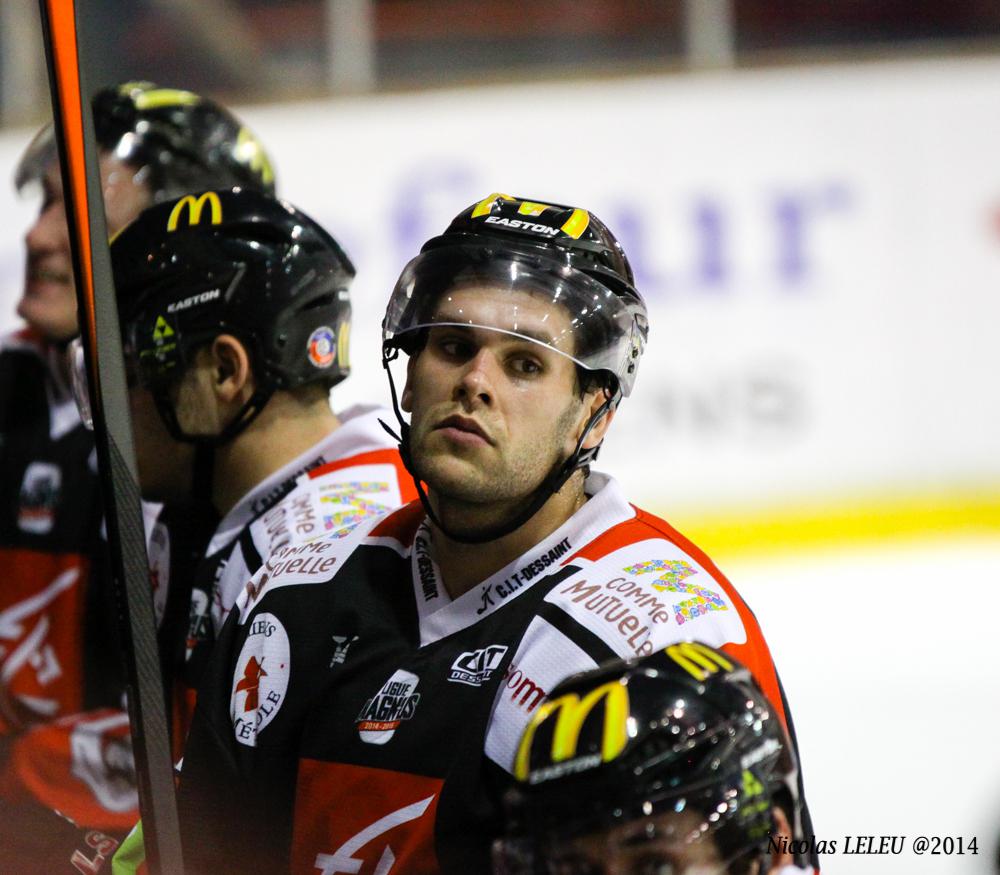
[195,206]
[567,729]
[698,660]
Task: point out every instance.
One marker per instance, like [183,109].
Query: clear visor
[673,843]
[42,153]
[534,298]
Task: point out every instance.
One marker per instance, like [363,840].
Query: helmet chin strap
[553,482]
[203,468]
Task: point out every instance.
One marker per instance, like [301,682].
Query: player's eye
[454,347]
[525,365]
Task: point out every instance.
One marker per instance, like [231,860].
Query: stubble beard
[497,488]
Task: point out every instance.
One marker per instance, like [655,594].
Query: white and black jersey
[352,474]
[357,719]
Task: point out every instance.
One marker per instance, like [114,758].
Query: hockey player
[57,650]
[675,762]
[366,699]
[236,314]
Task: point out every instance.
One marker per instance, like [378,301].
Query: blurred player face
[165,465]
[493,413]
[49,301]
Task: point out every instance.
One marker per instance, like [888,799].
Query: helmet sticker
[322,347]
[195,206]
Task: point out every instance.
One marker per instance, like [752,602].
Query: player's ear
[406,399]
[592,402]
[232,377]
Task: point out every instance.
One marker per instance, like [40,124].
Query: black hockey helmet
[237,262]
[180,141]
[677,748]
[511,244]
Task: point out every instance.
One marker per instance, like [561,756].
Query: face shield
[532,297]
[684,840]
[42,154]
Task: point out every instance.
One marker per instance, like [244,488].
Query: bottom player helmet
[676,756]
[236,262]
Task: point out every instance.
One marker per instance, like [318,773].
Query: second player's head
[674,763]
[523,329]
[225,298]
[155,144]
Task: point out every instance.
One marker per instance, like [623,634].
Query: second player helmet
[563,253]
[236,262]
[684,730]
[181,142]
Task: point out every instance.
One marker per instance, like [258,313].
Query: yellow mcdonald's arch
[571,711]
[194,206]
[698,660]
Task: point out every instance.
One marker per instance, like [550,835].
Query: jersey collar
[359,432]
[441,616]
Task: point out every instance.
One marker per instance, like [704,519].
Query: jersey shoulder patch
[643,594]
[311,562]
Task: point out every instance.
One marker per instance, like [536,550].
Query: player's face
[165,465]
[669,844]
[49,301]
[492,413]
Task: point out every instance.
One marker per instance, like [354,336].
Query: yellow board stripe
[869,520]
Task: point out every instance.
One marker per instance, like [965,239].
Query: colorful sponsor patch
[344,505]
[261,678]
[671,579]
[382,714]
[322,347]
[629,599]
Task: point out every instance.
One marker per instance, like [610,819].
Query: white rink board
[819,250]
[889,663]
